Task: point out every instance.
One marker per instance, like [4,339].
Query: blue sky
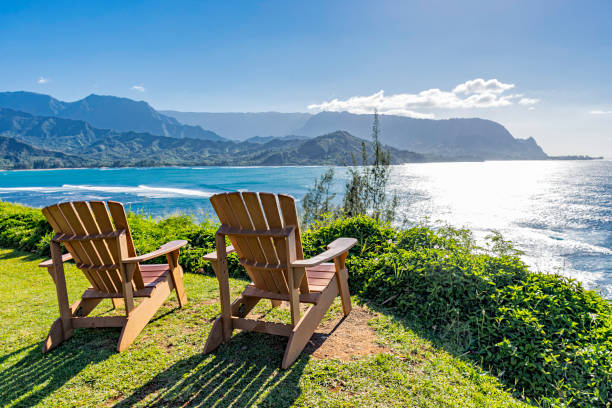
[552,60]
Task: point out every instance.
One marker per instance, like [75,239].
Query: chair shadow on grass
[239,373]
[35,375]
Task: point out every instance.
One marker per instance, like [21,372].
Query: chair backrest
[264,257]
[94,246]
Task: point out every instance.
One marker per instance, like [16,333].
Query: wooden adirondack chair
[102,248]
[263,229]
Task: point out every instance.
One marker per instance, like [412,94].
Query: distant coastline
[575,157]
[190,166]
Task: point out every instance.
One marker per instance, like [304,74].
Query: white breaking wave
[41,189]
[564,244]
[141,190]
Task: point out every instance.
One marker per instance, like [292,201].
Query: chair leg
[61,330]
[55,336]
[176,272]
[220,268]
[239,308]
[343,288]
[81,307]
[142,314]
[308,323]
[177,280]
[61,290]
[215,337]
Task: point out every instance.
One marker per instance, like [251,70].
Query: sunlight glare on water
[471,194]
[559,213]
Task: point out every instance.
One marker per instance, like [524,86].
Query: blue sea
[558,212]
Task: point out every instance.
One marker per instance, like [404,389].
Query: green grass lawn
[165,365]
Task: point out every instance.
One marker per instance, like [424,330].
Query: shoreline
[551,158]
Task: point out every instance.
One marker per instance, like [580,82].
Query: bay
[558,212]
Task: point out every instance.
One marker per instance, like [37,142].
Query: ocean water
[558,212]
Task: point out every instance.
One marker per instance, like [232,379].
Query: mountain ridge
[67,140]
[105,112]
[452,138]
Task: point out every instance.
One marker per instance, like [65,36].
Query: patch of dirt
[113,400]
[345,337]
[340,338]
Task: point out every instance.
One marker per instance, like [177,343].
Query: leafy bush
[545,336]
[24,228]
[149,234]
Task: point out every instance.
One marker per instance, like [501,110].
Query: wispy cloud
[476,93]
[528,101]
[600,112]
[42,80]
[138,88]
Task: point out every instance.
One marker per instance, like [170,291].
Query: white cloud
[600,112]
[42,80]
[531,108]
[477,93]
[138,88]
[479,85]
[528,101]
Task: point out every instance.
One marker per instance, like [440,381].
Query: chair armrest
[334,250]
[213,255]
[49,262]
[163,250]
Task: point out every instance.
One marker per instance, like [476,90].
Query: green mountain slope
[105,112]
[77,143]
[18,155]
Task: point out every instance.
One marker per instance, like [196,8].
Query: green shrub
[24,228]
[544,336]
[372,237]
[149,234]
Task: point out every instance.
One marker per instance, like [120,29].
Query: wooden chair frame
[137,316]
[233,314]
